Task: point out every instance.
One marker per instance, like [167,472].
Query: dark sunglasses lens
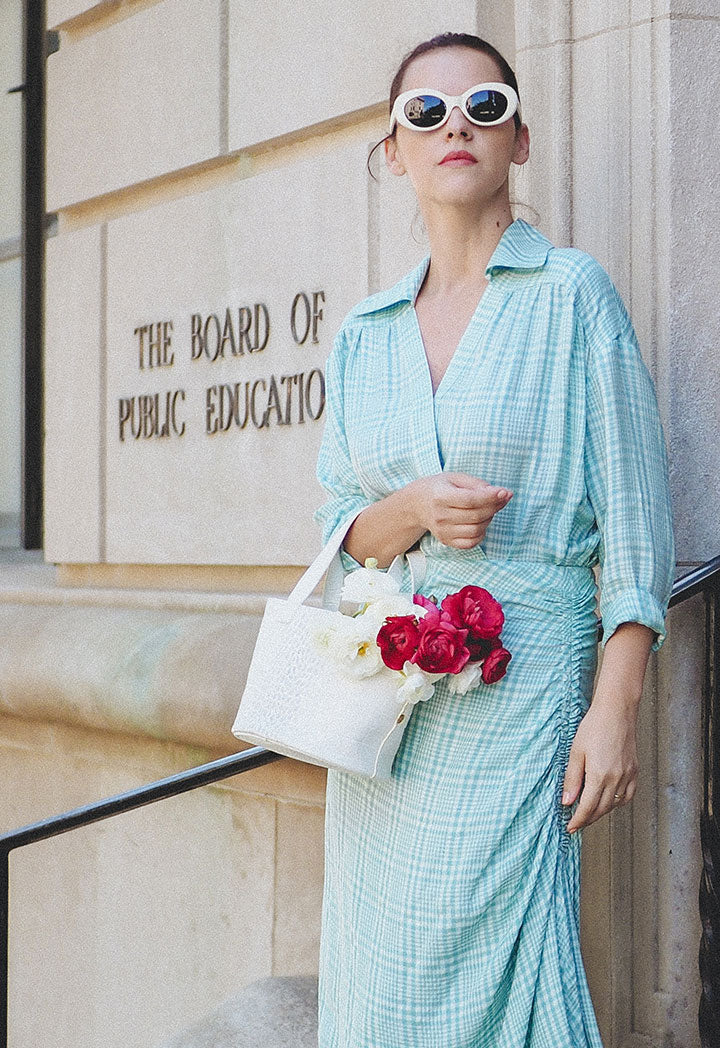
[425,110]
[486,106]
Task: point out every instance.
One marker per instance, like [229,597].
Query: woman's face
[475,182]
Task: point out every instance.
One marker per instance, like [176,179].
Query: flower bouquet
[415,639]
[336,685]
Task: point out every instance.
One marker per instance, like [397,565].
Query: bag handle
[328,560]
[332,593]
[307,582]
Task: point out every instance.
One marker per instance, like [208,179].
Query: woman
[494,407]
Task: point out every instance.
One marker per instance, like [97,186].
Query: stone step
[279,1011]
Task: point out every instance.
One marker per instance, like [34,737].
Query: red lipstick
[460,157]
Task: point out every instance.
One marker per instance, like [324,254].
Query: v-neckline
[452,362]
[431,401]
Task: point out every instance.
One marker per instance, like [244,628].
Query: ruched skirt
[450,913]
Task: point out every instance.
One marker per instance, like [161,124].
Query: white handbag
[296,700]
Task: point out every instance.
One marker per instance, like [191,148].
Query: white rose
[365,585]
[411,669]
[352,645]
[468,677]
[418,685]
[378,610]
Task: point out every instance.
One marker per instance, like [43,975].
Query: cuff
[331,515]
[634,606]
[349,563]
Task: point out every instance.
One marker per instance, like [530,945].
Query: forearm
[624,662]
[387,527]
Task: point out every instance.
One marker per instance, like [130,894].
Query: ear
[392,156]
[521,151]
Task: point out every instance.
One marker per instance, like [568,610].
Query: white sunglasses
[424,109]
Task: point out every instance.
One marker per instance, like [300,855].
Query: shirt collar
[520,247]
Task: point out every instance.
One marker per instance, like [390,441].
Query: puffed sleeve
[335,470]
[626,472]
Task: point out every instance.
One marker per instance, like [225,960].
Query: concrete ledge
[35,583]
[165,664]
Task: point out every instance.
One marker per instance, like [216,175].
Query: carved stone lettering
[300,314]
[305,316]
[267,401]
[315,394]
[150,415]
[154,341]
[230,405]
[232,336]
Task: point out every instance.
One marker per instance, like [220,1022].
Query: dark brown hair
[449,40]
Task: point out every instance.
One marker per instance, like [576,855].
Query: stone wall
[623,167]
[128,931]
[208,156]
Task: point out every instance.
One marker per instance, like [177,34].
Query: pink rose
[474,609]
[398,639]
[442,646]
[495,665]
[431,608]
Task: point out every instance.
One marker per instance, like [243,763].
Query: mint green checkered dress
[451,899]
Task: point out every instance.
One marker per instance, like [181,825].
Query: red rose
[480,647]
[441,648]
[495,665]
[398,640]
[474,609]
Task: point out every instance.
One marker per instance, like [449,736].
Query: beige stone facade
[206,158]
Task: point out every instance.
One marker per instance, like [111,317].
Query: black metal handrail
[703,579]
[700,580]
[172,786]
[709,892]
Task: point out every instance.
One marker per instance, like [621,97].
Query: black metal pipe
[173,785]
[700,579]
[33,272]
[4,933]
[709,893]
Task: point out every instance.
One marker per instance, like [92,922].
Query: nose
[458,124]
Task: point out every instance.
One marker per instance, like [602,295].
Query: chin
[470,196]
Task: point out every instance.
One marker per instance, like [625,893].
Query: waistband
[540,584]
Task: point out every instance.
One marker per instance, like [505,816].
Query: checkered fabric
[451,898]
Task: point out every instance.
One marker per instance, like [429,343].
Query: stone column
[618,97]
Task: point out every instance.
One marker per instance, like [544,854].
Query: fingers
[590,799]
[606,758]
[470,496]
[459,508]
[597,799]
[462,518]
[462,543]
[462,480]
[574,772]
[466,491]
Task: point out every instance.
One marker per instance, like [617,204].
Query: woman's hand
[457,508]
[604,749]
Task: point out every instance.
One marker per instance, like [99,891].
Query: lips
[459,157]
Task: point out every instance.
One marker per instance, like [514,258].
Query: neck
[462,242]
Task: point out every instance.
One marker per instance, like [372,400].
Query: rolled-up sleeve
[626,475]
[334,466]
